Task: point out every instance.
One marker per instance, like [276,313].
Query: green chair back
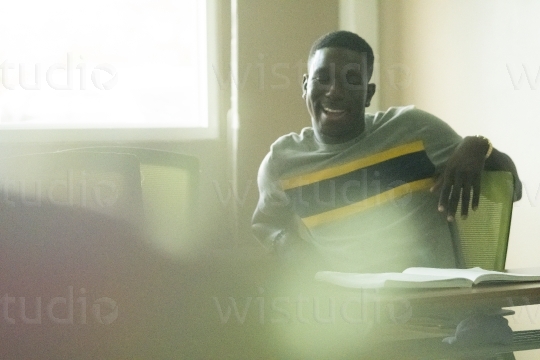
[169,183]
[482,239]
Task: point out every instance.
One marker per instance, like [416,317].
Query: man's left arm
[462,174]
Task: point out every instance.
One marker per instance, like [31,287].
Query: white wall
[362,17]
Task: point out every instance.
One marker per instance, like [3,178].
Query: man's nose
[335,89]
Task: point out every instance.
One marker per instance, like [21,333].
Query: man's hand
[461,176]
[291,248]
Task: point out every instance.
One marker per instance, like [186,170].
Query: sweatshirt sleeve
[274,214]
[439,138]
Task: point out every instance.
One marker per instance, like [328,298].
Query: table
[454,300]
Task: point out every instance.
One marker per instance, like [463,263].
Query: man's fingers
[465,200]
[445,194]
[476,193]
[466,196]
[462,187]
[437,185]
[460,190]
[453,202]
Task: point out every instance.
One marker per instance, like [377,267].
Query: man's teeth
[333,110]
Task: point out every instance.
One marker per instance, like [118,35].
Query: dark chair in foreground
[87,283]
[75,268]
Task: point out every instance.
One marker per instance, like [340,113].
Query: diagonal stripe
[361,184]
[311,178]
[360,206]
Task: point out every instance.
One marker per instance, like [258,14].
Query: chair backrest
[482,239]
[169,189]
[109,184]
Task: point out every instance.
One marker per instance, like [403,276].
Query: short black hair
[346,40]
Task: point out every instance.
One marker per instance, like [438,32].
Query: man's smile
[333,114]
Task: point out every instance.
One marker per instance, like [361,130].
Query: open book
[419,277]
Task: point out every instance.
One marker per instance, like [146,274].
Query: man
[367,192]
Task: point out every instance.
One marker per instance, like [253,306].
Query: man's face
[337,92]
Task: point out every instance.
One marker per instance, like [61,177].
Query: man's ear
[370,92]
[304,85]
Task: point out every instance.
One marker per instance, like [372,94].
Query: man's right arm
[281,240]
[274,222]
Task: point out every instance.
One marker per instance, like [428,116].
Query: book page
[476,275]
[390,280]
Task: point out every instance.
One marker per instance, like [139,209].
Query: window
[106,70]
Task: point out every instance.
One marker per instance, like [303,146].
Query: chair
[73,258]
[58,246]
[169,183]
[109,184]
[482,239]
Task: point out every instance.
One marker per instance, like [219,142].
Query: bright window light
[104,64]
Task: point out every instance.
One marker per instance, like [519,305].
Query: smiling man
[367,192]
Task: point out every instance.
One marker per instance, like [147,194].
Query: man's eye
[354,80]
[322,79]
